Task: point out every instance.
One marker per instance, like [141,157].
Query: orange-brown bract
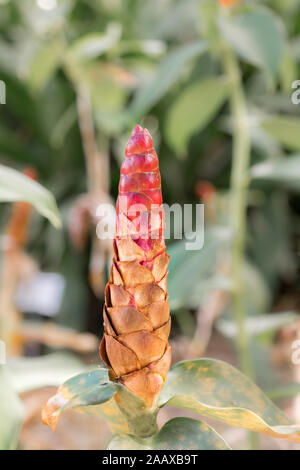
[136,312]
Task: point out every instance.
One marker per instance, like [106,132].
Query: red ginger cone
[136,313]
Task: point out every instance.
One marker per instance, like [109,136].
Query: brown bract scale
[136,313]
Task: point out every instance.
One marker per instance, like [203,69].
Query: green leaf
[15,186]
[44,64]
[215,389]
[257,324]
[167,73]
[193,110]
[12,145]
[284,129]
[257,36]
[11,412]
[191,271]
[284,171]
[93,45]
[176,434]
[29,373]
[90,393]
[289,390]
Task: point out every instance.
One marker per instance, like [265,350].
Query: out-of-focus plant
[16,187]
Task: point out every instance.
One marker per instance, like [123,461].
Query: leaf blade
[15,186]
[215,389]
[11,410]
[89,393]
[167,73]
[193,110]
[176,434]
[284,129]
[257,36]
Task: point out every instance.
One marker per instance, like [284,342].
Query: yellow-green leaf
[14,186]
[257,36]
[11,412]
[44,64]
[176,434]
[193,110]
[89,393]
[214,388]
[285,129]
[167,73]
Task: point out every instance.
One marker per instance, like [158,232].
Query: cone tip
[137,129]
[140,141]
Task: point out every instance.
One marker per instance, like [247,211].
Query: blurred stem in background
[97,164]
[239,186]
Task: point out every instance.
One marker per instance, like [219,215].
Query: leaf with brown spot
[215,389]
[84,393]
[176,434]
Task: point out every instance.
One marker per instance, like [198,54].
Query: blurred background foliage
[79,74]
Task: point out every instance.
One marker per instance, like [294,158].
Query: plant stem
[239,186]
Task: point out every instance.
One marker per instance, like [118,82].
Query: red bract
[136,313]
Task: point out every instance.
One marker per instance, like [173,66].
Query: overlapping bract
[136,313]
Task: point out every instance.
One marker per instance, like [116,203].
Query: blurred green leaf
[285,129]
[193,109]
[29,373]
[62,126]
[257,324]
[271,228]
[284,171]
[11,145]
[11,412]
[44,64]
[257,292]
[257,36]
[90,393]
[14,186]
[93,45]
[215,389]
[176,434]
[289,390]
[166,75]
[192,272]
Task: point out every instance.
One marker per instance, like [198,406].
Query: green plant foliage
[285,129]
[46,60]
[284,171]
[176,434]
[14,186]
[193,109]
[191,271]
[90,393]
[11,412]
[86,389]
[215,389]
[93,45]
[289,390]
[29,373]
[167,73]
[257,36]
[258,324]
